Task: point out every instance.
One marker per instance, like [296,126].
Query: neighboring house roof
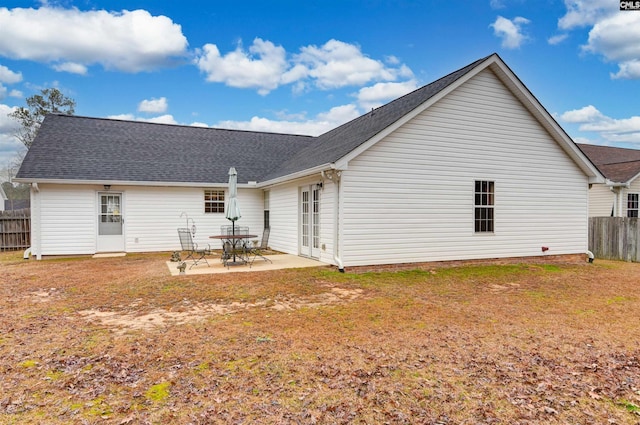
[619,165]
[111,151]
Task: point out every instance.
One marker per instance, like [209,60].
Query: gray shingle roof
[81,148]
[616,164]
[96,149]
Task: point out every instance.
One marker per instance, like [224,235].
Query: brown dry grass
[119,341]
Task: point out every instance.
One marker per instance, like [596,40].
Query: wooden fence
[15,230]
[615,238]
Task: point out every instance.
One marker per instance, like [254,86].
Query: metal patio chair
[194,254]
[257,251]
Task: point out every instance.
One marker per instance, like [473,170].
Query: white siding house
[470,166]
[619,195]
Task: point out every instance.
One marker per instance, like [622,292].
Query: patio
[278,261]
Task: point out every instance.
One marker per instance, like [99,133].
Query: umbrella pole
[233,239]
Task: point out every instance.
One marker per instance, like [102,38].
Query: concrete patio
[279,261]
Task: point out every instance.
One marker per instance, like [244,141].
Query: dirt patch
[187,312]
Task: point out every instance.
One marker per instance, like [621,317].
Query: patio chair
[194,254]
[256,251]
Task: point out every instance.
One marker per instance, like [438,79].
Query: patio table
[233,239]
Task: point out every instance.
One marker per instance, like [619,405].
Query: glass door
[110,223]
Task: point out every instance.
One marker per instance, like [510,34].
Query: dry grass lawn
[119,341]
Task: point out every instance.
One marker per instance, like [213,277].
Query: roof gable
[343,140]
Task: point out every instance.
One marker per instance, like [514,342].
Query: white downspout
[334,176]
[617,189]
[35,222]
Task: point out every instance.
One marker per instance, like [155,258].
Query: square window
[214,201]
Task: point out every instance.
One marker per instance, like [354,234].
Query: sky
[305,67]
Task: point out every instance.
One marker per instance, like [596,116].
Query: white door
[110,223]
[310,221]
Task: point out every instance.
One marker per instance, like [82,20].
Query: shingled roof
[617,164]
[95,149]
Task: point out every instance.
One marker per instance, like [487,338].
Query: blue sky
[307,66]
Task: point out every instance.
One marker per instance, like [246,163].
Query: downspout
[616,188]
[334,177]
[35,222]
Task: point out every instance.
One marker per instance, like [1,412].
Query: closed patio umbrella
[233,209]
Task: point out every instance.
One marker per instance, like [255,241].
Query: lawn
[120,341]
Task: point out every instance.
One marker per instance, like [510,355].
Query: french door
[310,221]
[110,223]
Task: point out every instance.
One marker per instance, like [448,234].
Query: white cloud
[381,93]
[265,66]
[582,13]
[609,129]
[582,115]
[322,123]
[338,64]
[617,38]
[496,4]
[129,41]
[261,67]
[510,31]
[557,39]
[71,67]
[8,76]
[10,146]
[154,106]
[162,119]
[614,35]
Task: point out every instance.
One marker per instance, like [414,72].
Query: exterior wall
[634,187]
[66,216]
[284,216]
[601,201]
[409,198]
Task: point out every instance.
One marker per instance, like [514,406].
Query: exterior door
[110,223]
[310,221]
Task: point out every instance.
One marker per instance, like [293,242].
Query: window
[214,201]
[266,210]
[483,206]
[632,204]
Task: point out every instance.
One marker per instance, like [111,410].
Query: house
[470,166]
[620,195]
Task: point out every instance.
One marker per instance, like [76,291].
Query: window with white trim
[632,204]
[483,206]
[214,201]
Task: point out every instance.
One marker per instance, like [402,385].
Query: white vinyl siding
[283,214]
[601,201]
[68,217]
[409,198]
[153,216]
[68,220]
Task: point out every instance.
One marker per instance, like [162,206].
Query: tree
[38,106]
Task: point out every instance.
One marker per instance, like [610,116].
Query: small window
[632,204]
[214,201]
[483,206]
[267,224]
